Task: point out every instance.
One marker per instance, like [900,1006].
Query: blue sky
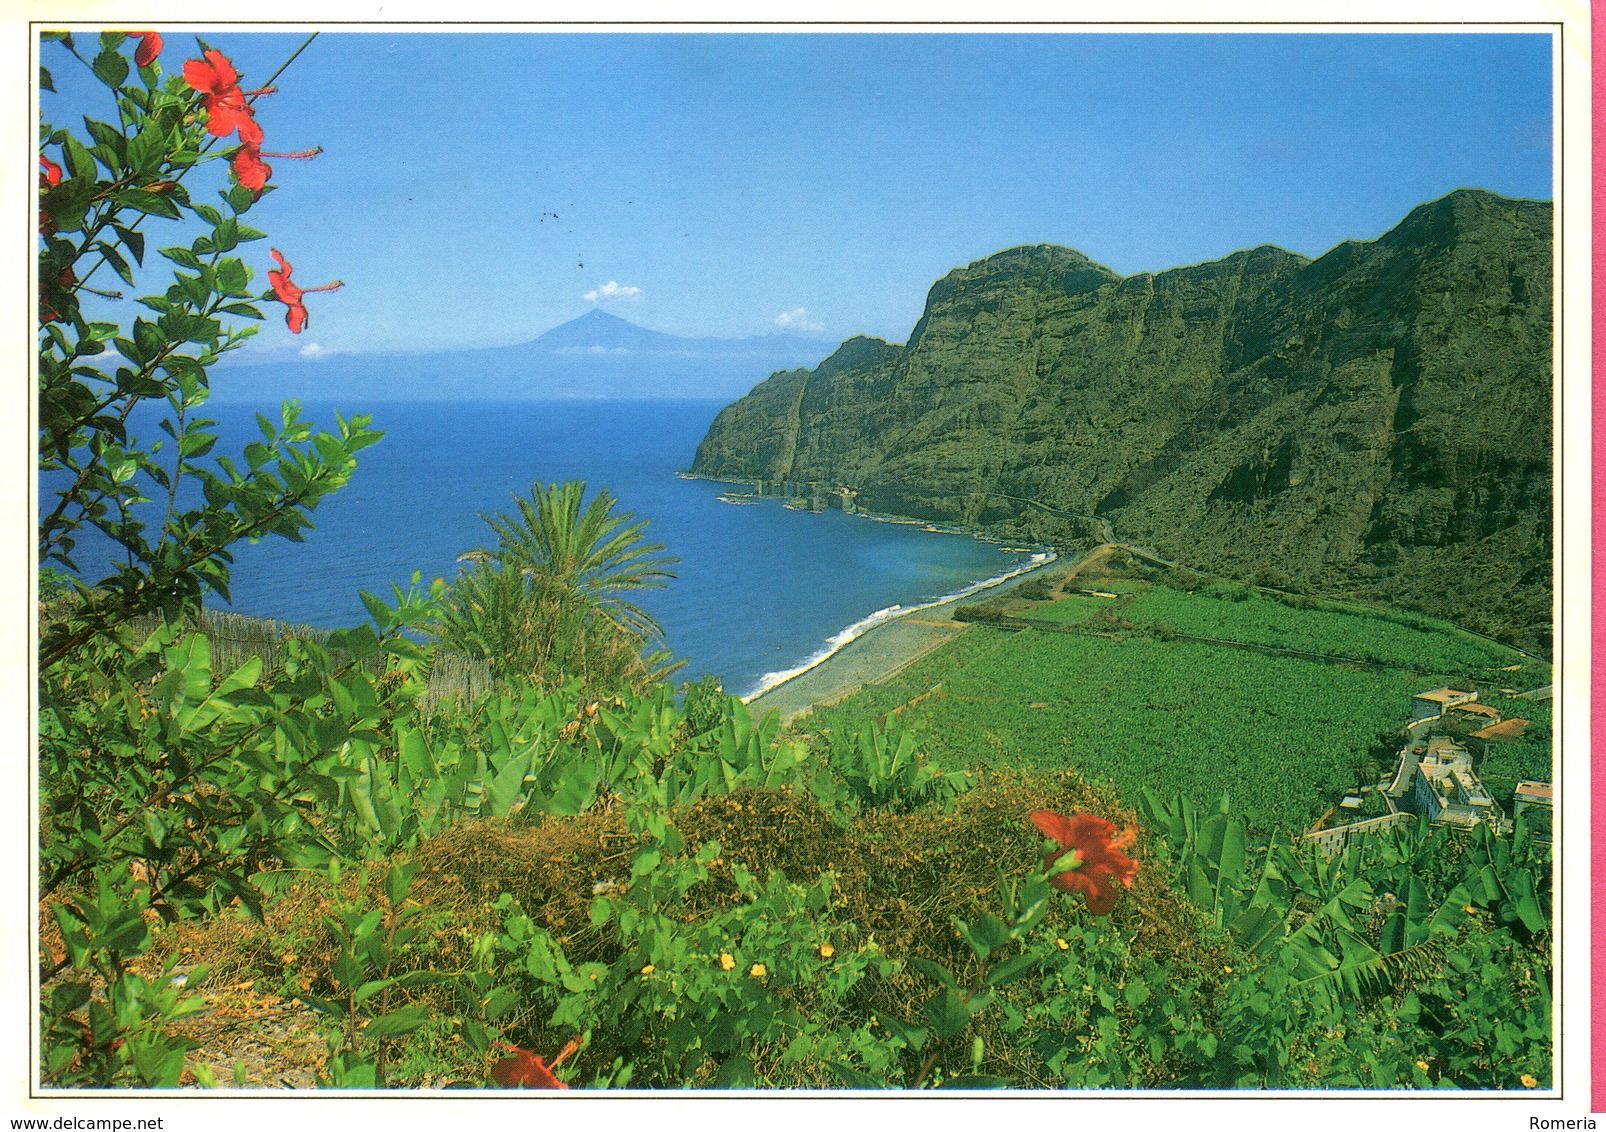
[479,189]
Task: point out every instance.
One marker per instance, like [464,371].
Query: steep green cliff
[1375,422]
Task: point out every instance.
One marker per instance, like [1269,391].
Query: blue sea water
[760,590]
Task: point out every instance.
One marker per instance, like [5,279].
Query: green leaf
[934,971]
[133,241]
[68,203]
[398,881]
[231,278]
[45,81]
[156,204]
[1230,861]
[149,338]
[912,1036]
[125,935]
[183,257]
[195,444]
[348,1074]
[507,786]
[1011,970]
[158,1064]
[403,1021]
[225,237]
[371,988]
[735,1072]
[67,997]
[110,68]
[948,1013]
[80,162]
[119,264]
[991,930]
[853,1078]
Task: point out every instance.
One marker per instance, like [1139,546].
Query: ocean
[761,591]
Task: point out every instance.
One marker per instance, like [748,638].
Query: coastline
[883,649]
[884,643]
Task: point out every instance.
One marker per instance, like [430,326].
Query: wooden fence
[235,638]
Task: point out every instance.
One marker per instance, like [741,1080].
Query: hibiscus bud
[150,46]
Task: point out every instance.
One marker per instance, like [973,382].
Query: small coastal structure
[1505,731]
[1447,789]
[1474,711]
[1432,705]
[1532,794]
[1434,776]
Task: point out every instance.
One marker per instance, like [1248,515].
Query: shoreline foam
[836,643]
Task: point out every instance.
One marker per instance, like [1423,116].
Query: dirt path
[888,649]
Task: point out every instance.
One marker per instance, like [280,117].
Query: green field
[1393,638]
[1282,735]
[1068,610]
[1110,585]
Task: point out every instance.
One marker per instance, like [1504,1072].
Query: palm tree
[546,601]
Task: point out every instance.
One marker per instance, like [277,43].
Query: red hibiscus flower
[221,97]
[1098,862]
[290,295]
[525,1071]
[150,46]
[49,178]
[249,168]
[65,281]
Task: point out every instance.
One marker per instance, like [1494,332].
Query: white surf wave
[835,644]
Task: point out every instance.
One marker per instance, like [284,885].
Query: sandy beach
[888,649]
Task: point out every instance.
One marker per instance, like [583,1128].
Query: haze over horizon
[738,185]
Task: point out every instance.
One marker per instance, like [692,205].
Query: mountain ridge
[1374,422]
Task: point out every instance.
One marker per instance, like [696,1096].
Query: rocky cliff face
[1376,422]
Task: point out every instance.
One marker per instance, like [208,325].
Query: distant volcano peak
[598,332]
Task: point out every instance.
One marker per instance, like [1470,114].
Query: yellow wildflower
[1422,1065]
[726,963]
[826,951]
[1528,1081]
[1062,945]
[648,969]
[1227,970]
[758,971]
